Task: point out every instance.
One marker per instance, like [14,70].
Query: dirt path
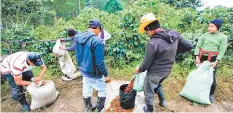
[70,99]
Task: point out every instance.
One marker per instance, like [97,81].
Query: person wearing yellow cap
[160,55]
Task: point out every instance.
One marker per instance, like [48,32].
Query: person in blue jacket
[90,60]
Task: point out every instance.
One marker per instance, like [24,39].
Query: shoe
[23,102]
[66,78]
[87,104]
[148,108]
[162,101]
[100,103]
[212,100]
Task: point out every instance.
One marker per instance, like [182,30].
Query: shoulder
[223,36]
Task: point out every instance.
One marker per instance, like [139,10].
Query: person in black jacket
[160,55]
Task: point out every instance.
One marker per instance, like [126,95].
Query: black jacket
[161,51]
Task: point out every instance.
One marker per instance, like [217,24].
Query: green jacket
[216,42]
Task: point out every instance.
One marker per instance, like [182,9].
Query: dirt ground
[70,98]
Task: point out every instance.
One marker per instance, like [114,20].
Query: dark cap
[217,23]
[35,58]
[95,23]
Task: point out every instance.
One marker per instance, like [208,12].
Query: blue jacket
[90,55]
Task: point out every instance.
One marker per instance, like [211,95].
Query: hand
[61,39]
[198,61]
[213,65]
[62,48]
[137,70]
[37,80]
[107,79]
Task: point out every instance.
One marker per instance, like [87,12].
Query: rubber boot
[148,108]
[24,103]
[212,100]
[100,103]
[162,101]
[87,104]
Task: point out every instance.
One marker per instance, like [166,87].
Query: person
[17,69]
[211,46]
[160,55]
[71,33]
[90,60]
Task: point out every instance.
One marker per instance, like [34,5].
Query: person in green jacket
[211,46]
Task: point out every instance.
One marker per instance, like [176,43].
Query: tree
[112,6]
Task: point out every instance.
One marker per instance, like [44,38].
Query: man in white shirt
[17,69]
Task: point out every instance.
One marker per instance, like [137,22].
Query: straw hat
[145,21]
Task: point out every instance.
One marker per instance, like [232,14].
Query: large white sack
[58,52]
[198,84]
[42,95]
[68,67]
[66,64]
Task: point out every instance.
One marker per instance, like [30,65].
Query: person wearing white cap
[17,69]
[160,55]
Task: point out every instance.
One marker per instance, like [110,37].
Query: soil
[70,98]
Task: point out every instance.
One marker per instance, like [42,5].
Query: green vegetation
[48,20]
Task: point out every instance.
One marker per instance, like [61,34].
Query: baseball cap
[35,58]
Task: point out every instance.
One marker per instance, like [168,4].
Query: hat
[71,32]
[145,21]
[217,23]
[95,23]
[35,58]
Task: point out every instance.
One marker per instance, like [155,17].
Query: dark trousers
[17,91]
[213,87]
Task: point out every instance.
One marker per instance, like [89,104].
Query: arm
[199,45]
[19,81]
[222,48]
[99,57]
[184,46]
[150,55]
[72,48]
[42,73]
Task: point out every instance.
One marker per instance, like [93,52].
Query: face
[212,28]
[95,30]
[30,63]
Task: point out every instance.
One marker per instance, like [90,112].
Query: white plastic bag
[198,84]
[56,50]
[42,95]
[67,66]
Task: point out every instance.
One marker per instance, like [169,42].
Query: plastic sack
[139,81]
[198,84]
[66,64]
[56,50]
[42,95]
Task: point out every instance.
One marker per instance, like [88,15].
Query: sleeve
[150,55]
[184,45]
[17,68]
[199,45]
[107,35]
[72,48]
[99,57]
[67,39]
[222,48]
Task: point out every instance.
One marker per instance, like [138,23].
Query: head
[71,33]
[148,23]
[34,59]
[214,25]
[151,28]
[95,26]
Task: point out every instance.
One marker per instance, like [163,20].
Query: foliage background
[48,20]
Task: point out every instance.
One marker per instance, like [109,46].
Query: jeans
[94,83]
[17,91]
